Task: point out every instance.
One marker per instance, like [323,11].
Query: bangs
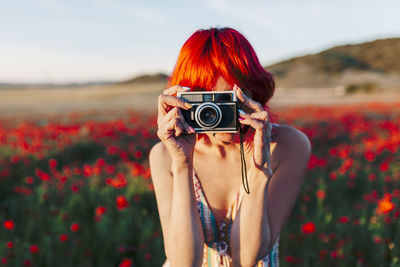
[203,58]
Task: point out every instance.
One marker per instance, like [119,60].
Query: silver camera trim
[234,99]
[205,105]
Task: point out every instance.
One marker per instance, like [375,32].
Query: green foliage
[365,87]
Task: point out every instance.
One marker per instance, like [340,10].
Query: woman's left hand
[259,120]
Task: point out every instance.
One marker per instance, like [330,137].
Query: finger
[170,115]
[257,120]
[178,128]
[167,130]
[176,113]
[174,126]
[162,106]
[166,101]
[247,101]
[174,89]
[185,125]
[262,116]
[174,101]
[247,120]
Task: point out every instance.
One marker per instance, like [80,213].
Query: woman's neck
[211,144]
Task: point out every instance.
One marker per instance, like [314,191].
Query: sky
[61,41]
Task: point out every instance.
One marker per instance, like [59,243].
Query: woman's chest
[220,181]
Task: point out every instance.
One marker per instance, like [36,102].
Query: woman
[207,218]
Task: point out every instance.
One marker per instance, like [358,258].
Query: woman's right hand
[171,125]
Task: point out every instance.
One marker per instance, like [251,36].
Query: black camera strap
[243,163]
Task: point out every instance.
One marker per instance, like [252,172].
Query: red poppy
[74,188]
[34,249]
[385,205]
[333,175]
[138,154]
[333,151]
[29,180]
[121,249]
[112,150]
[291,259]
[22,190]
[369,155]
[334,254]
[320,194]
[100,162]
[384,166]
[9,224]
[63,237]
[3,260]
[10,244]
[87,170]
[308,228]
[306,198]
[372,177]
[118,182]
[126,263]
[52,163]
[344,219]
[377,239]
[352,175]
[100,210]
[123,155]
[121,202]
[396,193]
[322,254]
[75,227]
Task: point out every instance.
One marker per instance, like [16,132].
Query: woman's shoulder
[290,139]
[159,157]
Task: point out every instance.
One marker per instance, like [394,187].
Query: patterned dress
[216,237]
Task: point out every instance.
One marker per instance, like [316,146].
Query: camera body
[212,111]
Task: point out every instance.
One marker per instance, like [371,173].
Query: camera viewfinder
[223,97]
[208,97]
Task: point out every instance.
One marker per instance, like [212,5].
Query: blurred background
[78,88]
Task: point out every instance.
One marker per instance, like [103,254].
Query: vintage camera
[212,111]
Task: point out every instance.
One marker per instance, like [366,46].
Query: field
[76,188]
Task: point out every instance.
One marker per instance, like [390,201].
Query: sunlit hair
[211,53]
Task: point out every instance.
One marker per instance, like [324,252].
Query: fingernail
[241,112]
[191,130]
[186,88]
[235,87]
[241,119]
[188,105]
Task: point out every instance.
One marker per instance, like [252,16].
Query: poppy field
[75,189]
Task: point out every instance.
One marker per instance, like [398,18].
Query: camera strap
[243,164]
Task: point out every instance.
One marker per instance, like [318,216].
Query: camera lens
[208,115]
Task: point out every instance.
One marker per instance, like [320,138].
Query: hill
[376,62]
[159,77]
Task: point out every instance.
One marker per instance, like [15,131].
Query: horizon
[64,42]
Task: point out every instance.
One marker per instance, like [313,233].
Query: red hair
[209,54]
